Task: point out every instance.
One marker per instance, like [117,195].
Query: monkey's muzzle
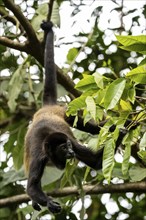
[70,154]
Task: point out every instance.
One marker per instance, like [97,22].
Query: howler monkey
[49,138]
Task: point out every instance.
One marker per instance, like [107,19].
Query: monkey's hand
[54,207]
[36,206]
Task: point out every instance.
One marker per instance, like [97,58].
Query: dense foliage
[102,82]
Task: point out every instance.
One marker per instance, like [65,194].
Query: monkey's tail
[50,85]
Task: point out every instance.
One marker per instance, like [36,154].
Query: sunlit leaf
[108,159]
[91,106]
[130,40]
[142,144]
[126,157]
[138,74]
[114,93]
[72,53]
[125,105]
[99,80]
[88,82]
[77,103]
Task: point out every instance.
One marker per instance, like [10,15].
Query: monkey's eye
[63,146]
[69,144]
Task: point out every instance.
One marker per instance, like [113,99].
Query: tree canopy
[101,72]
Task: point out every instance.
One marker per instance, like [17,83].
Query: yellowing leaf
[125,105]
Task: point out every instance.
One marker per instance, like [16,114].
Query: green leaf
[135,47]
[130,40]
[15,86]
[50,175]
[99,80]
[142,62]
[11,176]
[91,106]
[142,155]
[142,144]
[142,147]
[41,14]
[137,173]
[131,94]
[138,74]
[114,93]
[86,83]
[133,43]
[55,17]
[125,105]
[108,159]
[69,170]
[127,154]
[72,53]
[77,103]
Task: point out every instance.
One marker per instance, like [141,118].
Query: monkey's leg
[34,189]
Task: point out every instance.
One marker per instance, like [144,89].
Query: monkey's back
[47,120]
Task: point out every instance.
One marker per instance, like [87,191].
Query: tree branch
[137,187]
[10,18]
[14,44]
[23,20]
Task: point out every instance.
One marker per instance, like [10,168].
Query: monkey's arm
[94,159]
[34,189]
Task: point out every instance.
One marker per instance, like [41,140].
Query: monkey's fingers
[54,207]
[36,206]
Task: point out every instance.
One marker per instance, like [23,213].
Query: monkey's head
[59,148]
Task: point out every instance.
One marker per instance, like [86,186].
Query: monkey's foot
[54,207]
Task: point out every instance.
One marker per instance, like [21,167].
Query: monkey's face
[65,151]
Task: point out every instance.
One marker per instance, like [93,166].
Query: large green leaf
[77,103]
[138,74]
[12,176]
[127,154]
[137,173]
[41,14]
[114,93]
[15,86]
[135,47]
[50,175]
[18,148]
[108,159]
[130,40]
[88,82]
[133,43]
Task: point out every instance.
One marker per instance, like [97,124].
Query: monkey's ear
[55,139]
